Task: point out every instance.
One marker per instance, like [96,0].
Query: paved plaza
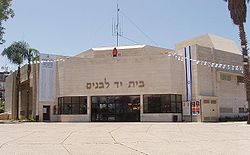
[125,138]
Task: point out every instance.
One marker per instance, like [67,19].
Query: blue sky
[70,27]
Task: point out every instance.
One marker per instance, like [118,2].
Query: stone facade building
[138,83]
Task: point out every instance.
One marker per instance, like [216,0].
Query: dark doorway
[46,113]
[115,109]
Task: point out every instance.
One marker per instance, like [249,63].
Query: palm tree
[31,54]
[15,55]
[238,13]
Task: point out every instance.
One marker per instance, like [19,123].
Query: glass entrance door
[115,108]
[46,113]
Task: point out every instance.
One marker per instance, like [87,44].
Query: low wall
[160,117]
[4,116]
[73,118]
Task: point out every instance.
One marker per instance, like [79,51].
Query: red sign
[196,108]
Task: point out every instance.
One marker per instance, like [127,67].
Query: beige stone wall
[149,68]
[142,70]
[11,91]
[163,117]
[207,82]
[8,94]
[73,118]
[155,72]
[230,93]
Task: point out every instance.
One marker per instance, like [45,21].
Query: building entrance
[46,113]
[115,108]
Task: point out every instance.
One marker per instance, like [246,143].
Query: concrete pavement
[125,138]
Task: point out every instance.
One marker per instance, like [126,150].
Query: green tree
[1,106]
[5,13]
[238,13]
[15,54]
[30,54]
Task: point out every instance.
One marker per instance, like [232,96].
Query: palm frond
[15,52]
[31,54]
[238,10]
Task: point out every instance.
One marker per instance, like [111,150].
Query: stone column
[141,107]
[89,107]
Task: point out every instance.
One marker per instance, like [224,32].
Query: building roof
[133,50]
[212,41]
[119,47]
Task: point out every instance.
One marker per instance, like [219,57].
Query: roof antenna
[116,27]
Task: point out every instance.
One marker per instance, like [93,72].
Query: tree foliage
[1,106]
[15,52]
[31,54]
[5,13]
[20,51]
[238,10]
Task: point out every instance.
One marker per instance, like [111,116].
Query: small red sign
[196,108]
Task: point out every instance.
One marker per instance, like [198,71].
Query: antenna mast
[116,27]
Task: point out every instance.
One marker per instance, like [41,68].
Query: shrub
[1,106]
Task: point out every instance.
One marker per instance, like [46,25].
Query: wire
[129,39]
[139,28]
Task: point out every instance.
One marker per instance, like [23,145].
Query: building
[3,76]
[136,83]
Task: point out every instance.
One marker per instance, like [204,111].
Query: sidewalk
[125,138]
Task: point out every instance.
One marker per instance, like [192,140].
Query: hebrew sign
[105,84]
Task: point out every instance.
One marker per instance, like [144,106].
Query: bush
[1,106]
[232,119]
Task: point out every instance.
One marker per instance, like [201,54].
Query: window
[225,77]
[179,103]
[242,110]
[155,105]
[213,101]
[206,101]
[75,105]
[1,77]
[226,110]
[240,79]
[83,106]
[1,85]
[115,108]
[162,103]
[72,105]
[1,95]
[173,103]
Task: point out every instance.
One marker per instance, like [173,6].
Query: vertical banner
[188,70]
[47,77]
